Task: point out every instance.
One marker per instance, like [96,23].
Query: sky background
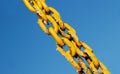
[26,49]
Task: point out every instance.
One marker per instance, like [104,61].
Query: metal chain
[80,55]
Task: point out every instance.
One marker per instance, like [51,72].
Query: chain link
[80,55]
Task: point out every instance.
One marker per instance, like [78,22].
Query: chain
[80,55]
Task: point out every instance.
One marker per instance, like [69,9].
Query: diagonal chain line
[84,61]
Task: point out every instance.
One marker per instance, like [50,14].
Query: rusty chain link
[80,55]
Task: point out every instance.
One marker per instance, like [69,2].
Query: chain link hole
[66,48]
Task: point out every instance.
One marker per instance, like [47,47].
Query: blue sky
[26,49]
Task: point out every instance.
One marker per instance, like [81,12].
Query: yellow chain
[80,55]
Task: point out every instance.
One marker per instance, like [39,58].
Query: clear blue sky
[26,49]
